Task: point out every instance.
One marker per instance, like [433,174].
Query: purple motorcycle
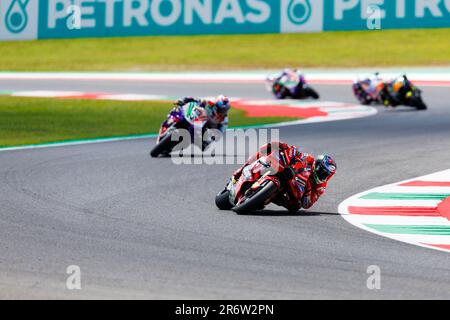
[189,117]
[290,85]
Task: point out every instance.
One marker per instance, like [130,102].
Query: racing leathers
[216,120]
[371,85]
[387,92]
[392,91]
[301,189]
[286,76]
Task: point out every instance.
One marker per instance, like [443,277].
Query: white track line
[431,79]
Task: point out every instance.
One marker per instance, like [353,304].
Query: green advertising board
[44,19]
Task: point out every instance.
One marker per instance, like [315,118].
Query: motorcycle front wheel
[310,92]
[165,145]
[282,94]
[257,199]
[223,200]
[418,103]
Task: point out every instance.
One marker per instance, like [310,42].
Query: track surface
[146,228]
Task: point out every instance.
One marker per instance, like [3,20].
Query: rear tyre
[257,199]
[310,92]
[165,145]
[360,94]
[223,200]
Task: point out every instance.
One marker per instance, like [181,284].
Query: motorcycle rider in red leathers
[307,179]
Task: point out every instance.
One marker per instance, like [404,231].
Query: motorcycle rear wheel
[257,199]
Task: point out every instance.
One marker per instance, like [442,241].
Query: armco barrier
[43,19]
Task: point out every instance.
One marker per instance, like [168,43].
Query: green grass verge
[330,49]
[38,120]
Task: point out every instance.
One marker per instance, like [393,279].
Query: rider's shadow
[285,213]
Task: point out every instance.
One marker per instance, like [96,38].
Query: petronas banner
[43,19]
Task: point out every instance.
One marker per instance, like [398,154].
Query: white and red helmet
[220,106]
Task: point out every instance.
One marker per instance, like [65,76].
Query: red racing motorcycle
[259,183]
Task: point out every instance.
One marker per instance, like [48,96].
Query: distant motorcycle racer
[192,120]
[306,178]
[216,112]
[388,92]
[367,89]
[286,76]
[392,91]
[290,83]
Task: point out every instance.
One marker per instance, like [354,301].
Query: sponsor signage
[44,19]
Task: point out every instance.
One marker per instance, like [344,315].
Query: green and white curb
[415,211]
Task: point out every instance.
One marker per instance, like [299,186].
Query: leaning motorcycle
[285,87]
[365,96]
[259,183]
[188,117]
[407,94]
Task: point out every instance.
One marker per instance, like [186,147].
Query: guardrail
[44,19]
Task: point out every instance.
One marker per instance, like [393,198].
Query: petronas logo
[16,18]
[299,11]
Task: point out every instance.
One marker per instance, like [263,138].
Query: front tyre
[282,94]
[165,145]
[223,200]
[257,199]
[419,104]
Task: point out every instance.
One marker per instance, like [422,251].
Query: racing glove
[182,102]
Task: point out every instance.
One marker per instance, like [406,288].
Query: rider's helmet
[398,84]
[293,74]
[324,168]
[380,86]
[218,107]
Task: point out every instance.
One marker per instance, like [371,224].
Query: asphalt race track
[147,228]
